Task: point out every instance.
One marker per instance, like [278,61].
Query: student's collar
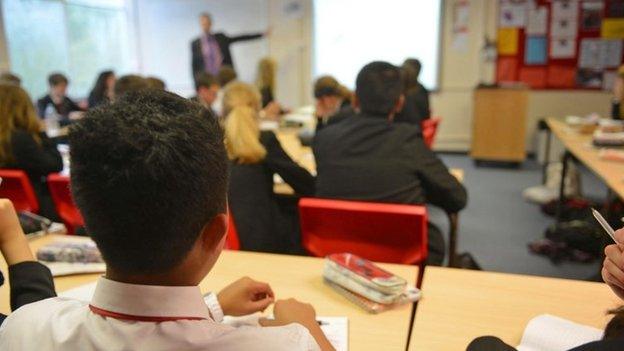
[148,303]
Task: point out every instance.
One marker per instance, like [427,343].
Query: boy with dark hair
[149,174]
[368,157]
[57,98]
[129,83]
[207,89]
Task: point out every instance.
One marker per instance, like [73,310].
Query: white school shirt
[66,324]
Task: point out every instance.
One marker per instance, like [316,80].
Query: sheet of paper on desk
[336,329]
[551,333]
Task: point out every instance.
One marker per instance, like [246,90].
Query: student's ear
[355,102]
[398,107]
[214,232]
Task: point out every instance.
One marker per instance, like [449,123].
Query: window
[351,33]
[79,38]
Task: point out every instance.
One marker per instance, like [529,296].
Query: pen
[604,224]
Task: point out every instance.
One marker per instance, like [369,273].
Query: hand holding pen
[613,265]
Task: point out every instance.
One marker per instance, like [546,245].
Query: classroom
[403,175]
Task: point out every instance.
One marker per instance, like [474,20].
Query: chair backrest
[64,203]
[17,188]
[430,129]
[376,231]
[231,241]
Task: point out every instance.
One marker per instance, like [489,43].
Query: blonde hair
[266,74]
[241,104]
[16,112]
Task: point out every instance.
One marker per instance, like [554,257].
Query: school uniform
[139,317]
[30,282]
[261,224]
[368,158]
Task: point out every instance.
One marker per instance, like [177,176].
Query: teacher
[211,51]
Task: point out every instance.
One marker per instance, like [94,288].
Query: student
[57,98]
[153,196]
[207,89]
[255,156]
[103,90]
[613,339]
[617,109]
[24,145]
[333,103]
[416,107]
[10,78]
[156,83]
[129,83]
[368,157]
[29,280]
[265,80]
[226,75]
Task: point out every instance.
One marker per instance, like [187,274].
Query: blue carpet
[498,223]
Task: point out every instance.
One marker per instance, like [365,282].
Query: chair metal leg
[453,223]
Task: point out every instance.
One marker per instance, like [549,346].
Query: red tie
[129,317]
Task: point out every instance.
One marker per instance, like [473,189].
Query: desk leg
[566,157]
[452,250]
[546,155]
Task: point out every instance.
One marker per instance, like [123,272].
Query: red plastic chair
[376,231]
[17,188]
[65,207]
[430,129]
[231,241]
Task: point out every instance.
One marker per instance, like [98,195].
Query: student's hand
[292,311]
[13,242]
[245,296]
[272,111]
[613,265]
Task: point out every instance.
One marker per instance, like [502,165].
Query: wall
[4,53]
[165,29]
[460,74]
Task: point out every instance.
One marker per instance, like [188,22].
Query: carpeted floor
[497,224]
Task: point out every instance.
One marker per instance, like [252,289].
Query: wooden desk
[290,276]
[460,305]
[579,145]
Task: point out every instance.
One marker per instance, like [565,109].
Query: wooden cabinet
[499,124]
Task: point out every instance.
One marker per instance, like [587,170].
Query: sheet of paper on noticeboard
[612,28]
[535,52]
[612,55]
[567,9]
[562,48]
[590,55]
[537,21]
[507,42]
[608,80]
[563,27]
[512,14]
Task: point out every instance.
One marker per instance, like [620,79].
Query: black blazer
[224,43]
[37,161]
[30,282]
[253,204]
[416,108]
[63,109]
[368,158]
[615,110]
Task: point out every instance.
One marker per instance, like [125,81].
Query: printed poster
[512,14]
[612,28]
[590,55]
[507,41]
[563,27]
[563,48]
[566,9]
[537,21]
[591,15]
[535,53]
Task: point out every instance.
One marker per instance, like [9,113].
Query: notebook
[335,328]
[550,333]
